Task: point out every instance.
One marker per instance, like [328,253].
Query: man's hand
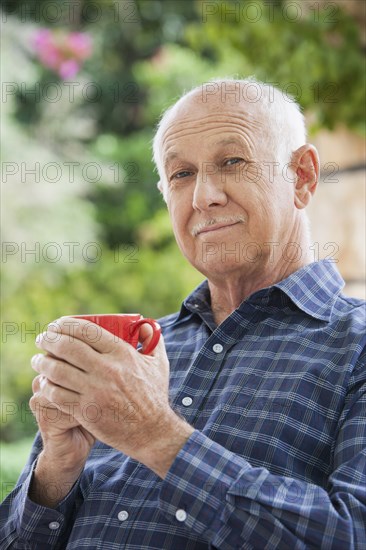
[115,393]
[62,435]
[66,446]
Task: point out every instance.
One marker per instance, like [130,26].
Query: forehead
[215,121]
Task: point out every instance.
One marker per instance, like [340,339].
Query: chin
[218,268]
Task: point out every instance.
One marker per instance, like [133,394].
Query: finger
[45,411]
[38,399]
[145,337]
[36,384]
[59,372]
[51,396]
[83,330]
[68,348]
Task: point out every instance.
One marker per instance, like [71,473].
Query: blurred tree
[125,33]
[312,50]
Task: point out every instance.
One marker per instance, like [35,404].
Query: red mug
[125,326]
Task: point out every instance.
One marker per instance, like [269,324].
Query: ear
[305,164]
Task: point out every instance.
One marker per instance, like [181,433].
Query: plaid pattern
[278,457]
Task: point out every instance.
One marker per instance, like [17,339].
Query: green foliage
[310,50]
[13,456]
[122,207]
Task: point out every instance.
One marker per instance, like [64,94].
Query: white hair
[286,125]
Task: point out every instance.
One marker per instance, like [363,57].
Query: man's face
[229,204]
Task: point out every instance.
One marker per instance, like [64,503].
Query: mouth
[216,224]
[217,227]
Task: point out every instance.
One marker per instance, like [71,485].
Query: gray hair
[286,125]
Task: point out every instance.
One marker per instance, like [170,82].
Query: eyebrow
[171,156]
[226,141]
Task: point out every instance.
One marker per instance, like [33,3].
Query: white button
[122,515]
[217,348]
[181,515]
[187,401]
[54,525]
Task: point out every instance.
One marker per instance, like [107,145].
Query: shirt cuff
[42,527]
[194,491]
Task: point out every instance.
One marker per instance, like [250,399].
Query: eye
[182,174]
[233,161]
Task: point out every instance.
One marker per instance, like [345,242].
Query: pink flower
[50,57]
[42,37]
[62,52]
[80,44]
[68,68]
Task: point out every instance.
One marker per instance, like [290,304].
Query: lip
[211,228]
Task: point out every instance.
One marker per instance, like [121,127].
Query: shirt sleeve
[25,525]
[221,497]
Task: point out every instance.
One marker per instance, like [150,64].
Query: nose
[209,190]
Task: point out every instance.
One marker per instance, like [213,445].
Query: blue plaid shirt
[277,397]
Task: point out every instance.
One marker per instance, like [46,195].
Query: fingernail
[53,327]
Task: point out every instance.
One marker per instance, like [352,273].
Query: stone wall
[338,209]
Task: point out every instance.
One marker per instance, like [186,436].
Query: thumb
[146,337]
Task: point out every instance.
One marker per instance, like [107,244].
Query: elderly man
[246,427]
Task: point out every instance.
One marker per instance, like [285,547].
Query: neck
[229,291]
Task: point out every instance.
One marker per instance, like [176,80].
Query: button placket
[190,411]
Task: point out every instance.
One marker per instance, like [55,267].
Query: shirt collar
[199,300]
[313,289]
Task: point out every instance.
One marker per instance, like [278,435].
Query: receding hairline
[196,96]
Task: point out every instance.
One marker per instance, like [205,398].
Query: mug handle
[156,333]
